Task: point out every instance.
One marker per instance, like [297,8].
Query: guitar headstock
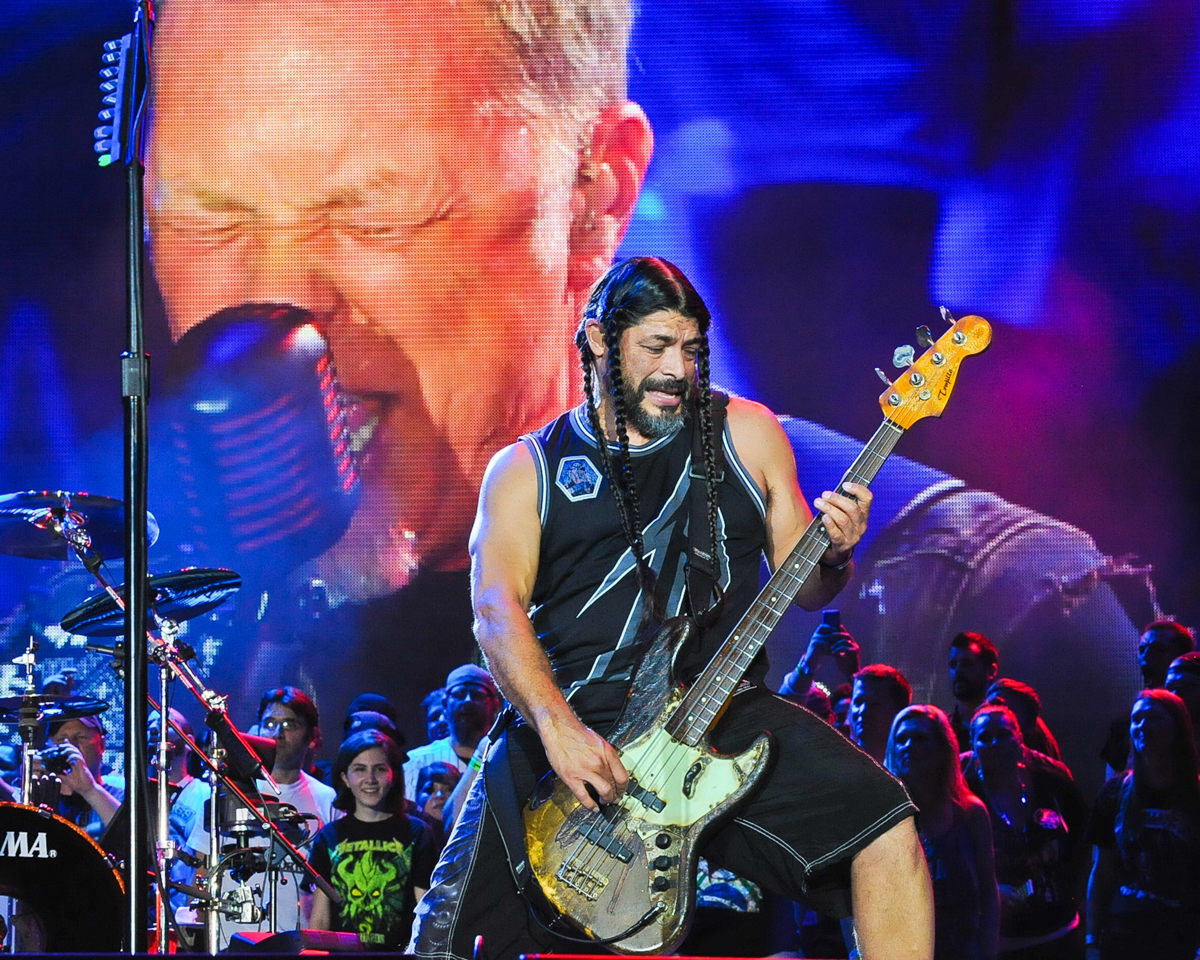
[924,388]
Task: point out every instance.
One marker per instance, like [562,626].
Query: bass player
[578,550]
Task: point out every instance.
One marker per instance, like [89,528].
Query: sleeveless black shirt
[586,606]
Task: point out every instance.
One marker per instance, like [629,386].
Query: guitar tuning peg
[948,316]
[903,356]
[883,376]
[924,336]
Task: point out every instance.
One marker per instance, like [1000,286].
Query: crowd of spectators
[1023,865]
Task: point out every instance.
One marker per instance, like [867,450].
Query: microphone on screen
[259,432]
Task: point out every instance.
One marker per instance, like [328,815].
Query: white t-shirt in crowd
[440,751]
[307,795]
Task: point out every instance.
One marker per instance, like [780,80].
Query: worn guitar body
[636,859]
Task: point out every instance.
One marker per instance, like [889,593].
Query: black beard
[649,425]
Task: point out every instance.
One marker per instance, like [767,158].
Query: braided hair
[628,293]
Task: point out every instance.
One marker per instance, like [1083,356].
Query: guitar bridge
[586,884]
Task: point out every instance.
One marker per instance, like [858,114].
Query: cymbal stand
[172,655]
[218,771]
[71,528]
[29,720]
[165,845]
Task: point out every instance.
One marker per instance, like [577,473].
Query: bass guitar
[625,874]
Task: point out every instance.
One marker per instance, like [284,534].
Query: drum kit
[48,865]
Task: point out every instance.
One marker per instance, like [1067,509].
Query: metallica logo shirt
[375,867]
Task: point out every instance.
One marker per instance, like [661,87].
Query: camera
[56,758]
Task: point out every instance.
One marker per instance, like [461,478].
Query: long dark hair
[628,293]
[1131,815]
[351,747]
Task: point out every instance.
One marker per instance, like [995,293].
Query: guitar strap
[703,566]
[517,762]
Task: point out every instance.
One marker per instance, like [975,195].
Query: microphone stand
[127,75]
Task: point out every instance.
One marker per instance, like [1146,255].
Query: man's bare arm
[764,449]
[505,544]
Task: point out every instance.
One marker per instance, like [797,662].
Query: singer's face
[363,163]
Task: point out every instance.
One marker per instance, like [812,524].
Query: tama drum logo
[16,844]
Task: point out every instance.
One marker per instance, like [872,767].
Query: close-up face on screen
[371,230]
[399,178]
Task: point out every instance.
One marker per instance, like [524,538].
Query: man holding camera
[89,799]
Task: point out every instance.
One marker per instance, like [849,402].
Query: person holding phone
[830,639]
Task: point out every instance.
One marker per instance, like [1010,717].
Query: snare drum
[64,894]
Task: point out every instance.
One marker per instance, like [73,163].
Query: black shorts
[822,801]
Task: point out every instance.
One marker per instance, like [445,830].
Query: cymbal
[177,596]
[52,709]
[28,522]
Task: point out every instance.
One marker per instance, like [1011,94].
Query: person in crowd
[974,666]
[188,791]
[471,704]
[89,798]
[188,794]
[376,703]
[1159,645]
[1024,701]
[880,692]
[367,710]
[1161,642]
[839,699]
[1144,892]
[434,785]
[826,641]
[371,720]
[817,701]
[1038,817]
[378,858]
[955,831]
[289,715]
[434,709]
[1183,680]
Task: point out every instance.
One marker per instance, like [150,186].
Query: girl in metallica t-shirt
[378,858]
[1144,894]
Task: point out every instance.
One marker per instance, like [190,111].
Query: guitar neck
[707,697]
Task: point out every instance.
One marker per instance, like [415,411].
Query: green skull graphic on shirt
[372,877]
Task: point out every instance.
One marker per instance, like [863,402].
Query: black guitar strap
[703,565]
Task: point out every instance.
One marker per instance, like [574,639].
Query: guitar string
[708,696]
[658,778]
[756,625]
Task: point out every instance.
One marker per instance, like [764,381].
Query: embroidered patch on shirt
[578,478]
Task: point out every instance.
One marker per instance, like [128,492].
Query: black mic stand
[126,85]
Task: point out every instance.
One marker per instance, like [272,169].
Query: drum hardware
[182,595]
[52,866]
[48,525]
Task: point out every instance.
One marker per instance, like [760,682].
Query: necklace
[1024,800]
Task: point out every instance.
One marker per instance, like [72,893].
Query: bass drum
[64,896]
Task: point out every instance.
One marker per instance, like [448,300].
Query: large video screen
[371,228]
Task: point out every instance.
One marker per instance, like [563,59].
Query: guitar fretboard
[706,699]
